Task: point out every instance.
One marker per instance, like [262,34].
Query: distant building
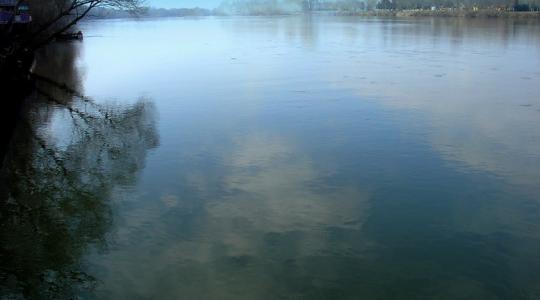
[11,12]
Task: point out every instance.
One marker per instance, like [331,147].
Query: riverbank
[105,13]
[456,13]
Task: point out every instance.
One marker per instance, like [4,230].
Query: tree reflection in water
[64,162]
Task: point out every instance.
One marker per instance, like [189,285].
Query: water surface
[301,157]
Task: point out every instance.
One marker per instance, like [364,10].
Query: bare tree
[52,18]
[61,15]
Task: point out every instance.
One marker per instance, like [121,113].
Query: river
[291,157]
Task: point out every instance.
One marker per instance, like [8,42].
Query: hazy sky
[183,3]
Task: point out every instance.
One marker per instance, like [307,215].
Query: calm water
[279,158]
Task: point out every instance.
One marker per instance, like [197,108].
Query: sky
[183,3]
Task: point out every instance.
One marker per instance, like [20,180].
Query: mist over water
[293,157]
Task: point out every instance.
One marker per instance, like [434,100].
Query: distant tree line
[356,5]
[259,7]
[149,12]
[268,7]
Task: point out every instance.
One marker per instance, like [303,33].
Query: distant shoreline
[447,13]
[439,13]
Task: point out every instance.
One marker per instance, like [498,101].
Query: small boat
[71,36]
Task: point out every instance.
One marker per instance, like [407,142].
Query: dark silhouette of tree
[58,16]
[52,18]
